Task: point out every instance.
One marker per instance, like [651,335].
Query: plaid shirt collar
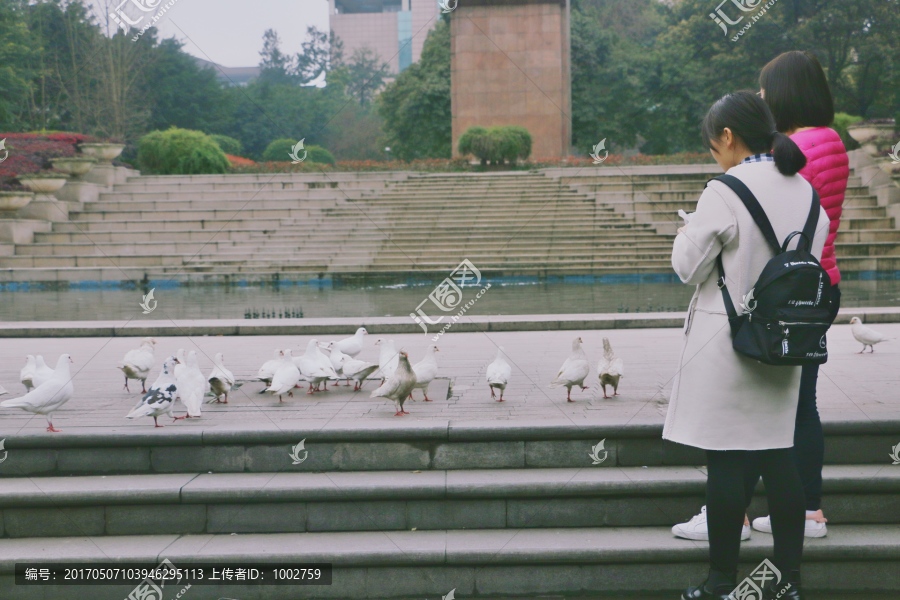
[767,157]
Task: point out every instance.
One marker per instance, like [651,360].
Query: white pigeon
[574,371]
[49,395]
[181,359]
[27,373]
[426,370]
[315,367]
[610,369]
[498,374]
[138,363]
[398,386]
[267,371]
[388,358]
[191,385]
[287,375]
[42,372]
[161,396]
[353,345]
[866,335]
[325,362]
[220,379]
[357,370]
[337,359]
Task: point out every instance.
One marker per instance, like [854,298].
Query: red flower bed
[239,161]
[31,152]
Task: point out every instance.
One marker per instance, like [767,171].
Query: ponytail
[789,159]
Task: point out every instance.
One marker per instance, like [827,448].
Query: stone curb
[379,325]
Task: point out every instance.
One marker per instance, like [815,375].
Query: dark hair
[750,120]
[797,91]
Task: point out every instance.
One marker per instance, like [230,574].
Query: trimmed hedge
[497,145]
[280,150]
[841,122]
[180,152]
[229,145]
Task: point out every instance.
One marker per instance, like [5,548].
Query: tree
[321,52]
[274,66]
[363,76]
[18,64]
[416,106]
[180,93]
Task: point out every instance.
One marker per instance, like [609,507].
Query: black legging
[726,495]
[809,440]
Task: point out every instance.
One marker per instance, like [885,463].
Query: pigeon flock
[181,379]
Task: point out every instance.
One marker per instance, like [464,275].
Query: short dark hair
[797,91]
[750,120]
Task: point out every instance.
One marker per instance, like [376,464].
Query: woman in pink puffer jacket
[795,88]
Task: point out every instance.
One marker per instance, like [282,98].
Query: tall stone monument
[510,66]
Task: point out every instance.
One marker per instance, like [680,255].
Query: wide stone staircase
[488,509]
[868,238]
[598,221]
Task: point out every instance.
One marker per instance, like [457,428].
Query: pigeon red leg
[155,423]
[427,399]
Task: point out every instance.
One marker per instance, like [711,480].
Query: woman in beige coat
[735,408]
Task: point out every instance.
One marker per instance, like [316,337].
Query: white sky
[229,32]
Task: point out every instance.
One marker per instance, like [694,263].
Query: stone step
[157,224]
[418,445]
[287,502]
[844,250]
[248,213]
[863,235]
[595,563]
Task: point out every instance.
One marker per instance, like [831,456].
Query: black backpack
[792,305]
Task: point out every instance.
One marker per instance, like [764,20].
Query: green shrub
[229,145]
[496,144]
[841,122]
[524,140]
[466,144]
[180,152]
[318,154]
[279,150]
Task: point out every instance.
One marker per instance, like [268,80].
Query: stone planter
[868,132]
[10,202]
[74,166]
[44,184]
[104,153]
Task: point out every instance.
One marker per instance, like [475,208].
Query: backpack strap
[753,206]
[809,230]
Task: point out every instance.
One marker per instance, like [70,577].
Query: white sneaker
[815,525]
[695,529]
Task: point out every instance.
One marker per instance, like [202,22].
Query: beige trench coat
[720,399]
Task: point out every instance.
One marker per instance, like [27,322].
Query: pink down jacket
[827,170]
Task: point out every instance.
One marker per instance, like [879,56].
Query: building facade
[510,66]
[394,29]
